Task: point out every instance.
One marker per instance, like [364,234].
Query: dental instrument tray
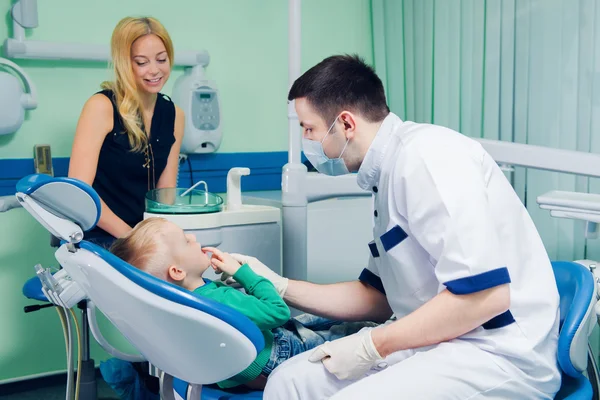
[182,201]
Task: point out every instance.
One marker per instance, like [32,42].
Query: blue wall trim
[265,170]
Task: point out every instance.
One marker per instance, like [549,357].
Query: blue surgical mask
[314,152]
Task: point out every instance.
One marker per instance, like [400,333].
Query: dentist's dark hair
[342,82]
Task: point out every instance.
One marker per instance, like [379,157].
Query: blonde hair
[142,248]
[127,98]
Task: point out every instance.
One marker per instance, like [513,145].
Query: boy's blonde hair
[143,248]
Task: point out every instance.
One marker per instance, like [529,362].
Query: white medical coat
[446,217]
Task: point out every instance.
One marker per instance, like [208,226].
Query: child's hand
[222,262]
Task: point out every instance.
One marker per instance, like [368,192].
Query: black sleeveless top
[123,176]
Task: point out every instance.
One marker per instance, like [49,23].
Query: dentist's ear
[176,273]
[349,121]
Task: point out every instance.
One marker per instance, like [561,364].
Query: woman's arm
[95,122]
[168,179]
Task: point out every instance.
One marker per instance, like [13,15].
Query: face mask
[314,152]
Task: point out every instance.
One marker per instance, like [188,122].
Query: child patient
[162,249]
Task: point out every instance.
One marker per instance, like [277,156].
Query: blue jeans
[305,332]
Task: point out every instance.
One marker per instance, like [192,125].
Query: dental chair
[195,340]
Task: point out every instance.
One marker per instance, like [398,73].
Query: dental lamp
[13,99]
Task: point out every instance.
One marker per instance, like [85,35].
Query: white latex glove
[350,357]
[261,269]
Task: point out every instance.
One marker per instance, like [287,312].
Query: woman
[129,135]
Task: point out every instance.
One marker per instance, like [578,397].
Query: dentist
[457,267]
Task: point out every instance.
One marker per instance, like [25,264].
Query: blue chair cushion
[32,289]
[576,288]
[574,388]
[73,209]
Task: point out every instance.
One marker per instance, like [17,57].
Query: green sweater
[261,304]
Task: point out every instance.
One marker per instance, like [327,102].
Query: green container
[171,201]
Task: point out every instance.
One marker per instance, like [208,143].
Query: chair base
[88,386]
[213,393]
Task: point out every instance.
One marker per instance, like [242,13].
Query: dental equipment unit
[200,99]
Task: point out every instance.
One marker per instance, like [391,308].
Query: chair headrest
[56,202]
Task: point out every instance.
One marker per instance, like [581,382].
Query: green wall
[247,42]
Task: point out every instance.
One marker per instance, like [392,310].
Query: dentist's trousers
[452,370]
